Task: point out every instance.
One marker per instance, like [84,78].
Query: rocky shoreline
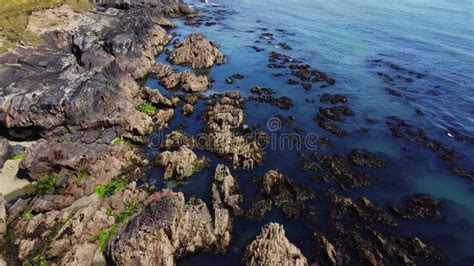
[80,98]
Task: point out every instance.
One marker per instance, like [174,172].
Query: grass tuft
[147,108]
[18,156]
[104,236]
[107,190]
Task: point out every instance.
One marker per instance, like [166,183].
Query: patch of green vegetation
[192,201]
[27,263]
[46,185]
[117,141]
[126,213]
[14,20]
[104,236]
[44,263]
[29,216]
[200,164]
[82,176]
[109,189]
[18,156]
[146,108]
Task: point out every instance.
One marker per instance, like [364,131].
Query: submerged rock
[285,193]
[366,159]
[330,126]
[336,113]
[420,207]
[333,98]
[197,51]
[271,247]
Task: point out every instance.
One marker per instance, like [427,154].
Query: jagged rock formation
[187,81]
[224,116]
[180,164]
[271,247]
[68,225]
[169,227]
[196,51]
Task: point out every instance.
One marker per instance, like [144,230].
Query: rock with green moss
[180,164]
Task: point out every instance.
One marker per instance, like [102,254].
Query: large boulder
[83,78]
[197,51]
[271,247]
[168,228]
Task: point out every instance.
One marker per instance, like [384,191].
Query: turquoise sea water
[434,38]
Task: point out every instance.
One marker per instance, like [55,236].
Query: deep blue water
[433,38]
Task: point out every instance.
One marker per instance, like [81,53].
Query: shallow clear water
[434,38]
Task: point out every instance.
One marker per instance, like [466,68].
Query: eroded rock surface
[271,247]
[224,116]
[170,227]
[285,193]
[197,51]
[180,164]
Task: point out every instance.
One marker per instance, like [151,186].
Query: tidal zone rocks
[364,241]
[187,81]
[170,227]
[197,52]
[404,130]
[265,95]
[344,170]
[224,116]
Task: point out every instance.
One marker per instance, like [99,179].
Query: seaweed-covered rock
[336,113]
[333,98]
[197,51]
[285,193]
[330,126]
[330,254]
[420,207]
[271,247]
[366,159]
